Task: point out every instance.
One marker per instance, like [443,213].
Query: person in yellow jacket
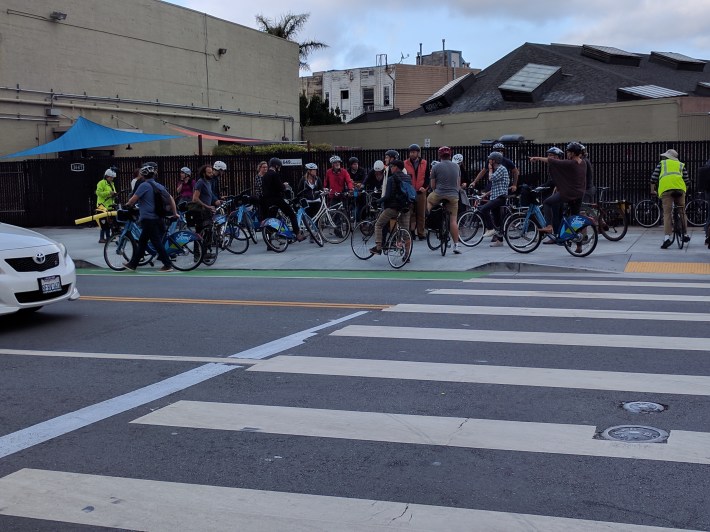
[670,178]
[105,194]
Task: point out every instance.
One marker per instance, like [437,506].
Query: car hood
[13,237]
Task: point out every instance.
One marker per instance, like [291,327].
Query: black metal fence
[55,192]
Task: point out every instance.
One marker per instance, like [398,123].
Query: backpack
[161,200]
[405,193]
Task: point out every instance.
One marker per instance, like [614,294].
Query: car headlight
[63,249]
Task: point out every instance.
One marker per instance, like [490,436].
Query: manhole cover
[635,434]
[643,407]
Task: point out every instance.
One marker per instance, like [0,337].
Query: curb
[522,267]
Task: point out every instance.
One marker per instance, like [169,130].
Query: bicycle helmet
[399,164]
[392,154]
[444,152]
[574,147]
[495,156]
[219,165]
[185,170]
[415,147]
[109,173]
[275,162]
[311,166]
[148,169]
[353,160]
[379,166]
[335,159]
[498,146]
[458,158]
[556,151]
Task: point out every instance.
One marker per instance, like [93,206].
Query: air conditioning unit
[52,112]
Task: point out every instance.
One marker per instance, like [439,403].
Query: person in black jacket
[309,187]
[393,202]
[273,196]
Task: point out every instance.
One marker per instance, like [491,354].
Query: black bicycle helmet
[556,151]
[353,160]
[275,162]
[415,147]
[148,169]
[495,156]
[392,154]
[574,147]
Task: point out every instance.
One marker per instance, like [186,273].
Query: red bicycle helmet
[445,152]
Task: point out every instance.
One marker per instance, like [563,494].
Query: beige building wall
[131,57]
[416,83]
[641,121]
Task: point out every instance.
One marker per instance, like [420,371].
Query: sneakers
[166,269]
[129,267]
[496,244]
[457,249]
[376,251]
[686,238]
[489,232]
[102,240]
[666,244]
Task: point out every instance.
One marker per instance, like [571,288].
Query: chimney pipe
[420,54]
[443,51]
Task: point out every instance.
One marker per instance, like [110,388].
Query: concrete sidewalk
[638,252]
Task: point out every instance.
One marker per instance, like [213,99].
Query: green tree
[317,112]
[286,27]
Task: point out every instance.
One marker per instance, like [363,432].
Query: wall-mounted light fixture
[129,147]
[226,127]
[438,123]
[56,16]
[221,51]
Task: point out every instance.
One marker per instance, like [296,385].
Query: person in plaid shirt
[490,212]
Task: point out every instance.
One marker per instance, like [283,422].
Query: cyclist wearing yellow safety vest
[669,179]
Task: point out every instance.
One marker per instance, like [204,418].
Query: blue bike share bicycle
[577,233]
[278,235]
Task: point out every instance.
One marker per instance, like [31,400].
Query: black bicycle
[438,228]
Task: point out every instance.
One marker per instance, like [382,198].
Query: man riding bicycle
[274,196]
[445,181]
[670,182]
[393,203]
[337,180]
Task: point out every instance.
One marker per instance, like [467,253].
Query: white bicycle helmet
[109,173]
[219,165]
[434,163]
[148,169]
[311,166]
[335,159]
[379,166]
[458,158]
[185,170]
[498,146]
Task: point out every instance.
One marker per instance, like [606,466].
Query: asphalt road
[523,441]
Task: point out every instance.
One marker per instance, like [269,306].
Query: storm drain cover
[635,434]
[643,407]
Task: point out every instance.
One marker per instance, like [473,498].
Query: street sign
[292,162]
[77,167]
[427,143]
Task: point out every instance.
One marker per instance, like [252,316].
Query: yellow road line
[237,302]
[698,268]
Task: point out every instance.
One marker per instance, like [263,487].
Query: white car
[34,271]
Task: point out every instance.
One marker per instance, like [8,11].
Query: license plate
[51,284]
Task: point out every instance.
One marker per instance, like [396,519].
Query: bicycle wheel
[613,223]
[117,250]
[444,232]
[584,242]
[210,247]
[677,229]
[362,239]
[312,230]
[334,226]
[696,212]
[185,250]
[274,240]
[432,239]
[647,213]
[471,229]
[237,239]
[398,248]
[521,234]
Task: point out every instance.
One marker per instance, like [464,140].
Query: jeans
[552,207]
[272,204]
[490,212]
[152,230]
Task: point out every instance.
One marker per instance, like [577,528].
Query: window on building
[386,96]
[345,95]
[327,96]
[368,99]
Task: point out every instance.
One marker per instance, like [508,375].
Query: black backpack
[161,200]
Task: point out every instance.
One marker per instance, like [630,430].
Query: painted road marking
[119,356]
[364,275]
[236,302]
[525,337]
[700,268]
[58,426]
[594,282]
[137,504]
[522,436]
[572,295]
[524,312]
[479,374]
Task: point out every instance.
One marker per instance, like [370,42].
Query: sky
[357,31]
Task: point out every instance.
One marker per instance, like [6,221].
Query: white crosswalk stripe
[144,504]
